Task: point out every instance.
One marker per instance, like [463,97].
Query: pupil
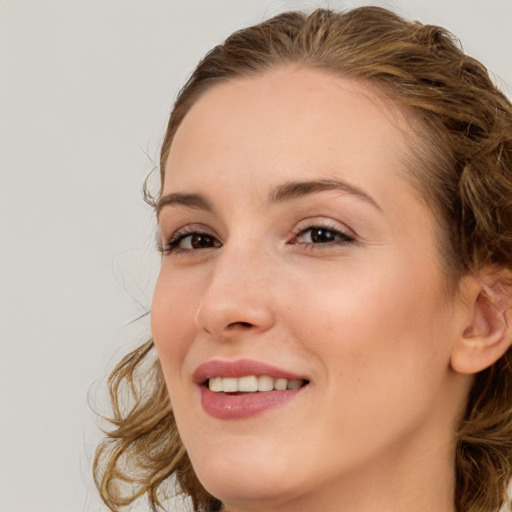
[322,235]
[200,241]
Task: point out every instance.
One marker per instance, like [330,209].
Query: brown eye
[321,235]
[192,241]
[199,241]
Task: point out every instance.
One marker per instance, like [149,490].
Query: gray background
[85,90]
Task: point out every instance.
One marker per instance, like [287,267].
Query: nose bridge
[238,294]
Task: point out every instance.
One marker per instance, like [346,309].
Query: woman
[330,319]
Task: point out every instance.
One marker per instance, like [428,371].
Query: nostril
[240,324]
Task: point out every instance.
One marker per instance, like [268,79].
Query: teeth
[248,384]
[230,385]
[215,384]
[251,383]
[294,384]
[280,384]
[265,383]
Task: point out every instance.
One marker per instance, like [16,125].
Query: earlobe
[485,335]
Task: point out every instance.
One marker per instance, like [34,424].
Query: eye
[321,235]
[191,241]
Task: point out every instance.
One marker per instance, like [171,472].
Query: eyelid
[343,236]
[166,243]
[326,223]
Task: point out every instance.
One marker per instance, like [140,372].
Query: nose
[238,296]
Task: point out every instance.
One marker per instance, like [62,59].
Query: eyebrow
[285,192]
[196,201]
[296,189]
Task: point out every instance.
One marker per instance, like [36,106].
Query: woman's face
[297,256]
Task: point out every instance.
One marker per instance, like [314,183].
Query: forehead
[286,121]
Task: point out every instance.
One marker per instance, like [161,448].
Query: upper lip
[240,368]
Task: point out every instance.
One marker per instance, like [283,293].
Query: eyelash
[172,245]
[339,238]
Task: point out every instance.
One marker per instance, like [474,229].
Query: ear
[484,335]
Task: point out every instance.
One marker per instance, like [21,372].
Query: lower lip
[225,406]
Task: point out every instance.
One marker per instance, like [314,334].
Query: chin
[249,492]
[258,479]
[243,490]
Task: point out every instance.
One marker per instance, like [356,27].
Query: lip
[227,406]
[241,368]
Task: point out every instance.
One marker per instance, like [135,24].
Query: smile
[252,384]
[243,388]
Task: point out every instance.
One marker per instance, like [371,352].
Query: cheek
[373,327]
[384,351]
[172,320]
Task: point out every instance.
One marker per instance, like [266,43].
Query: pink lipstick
[243,388]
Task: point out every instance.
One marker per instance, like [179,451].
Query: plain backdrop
[85,90]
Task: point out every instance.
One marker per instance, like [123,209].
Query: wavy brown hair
[461,163]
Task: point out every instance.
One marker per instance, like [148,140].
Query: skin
[365,316]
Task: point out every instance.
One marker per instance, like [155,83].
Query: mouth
[244,388]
